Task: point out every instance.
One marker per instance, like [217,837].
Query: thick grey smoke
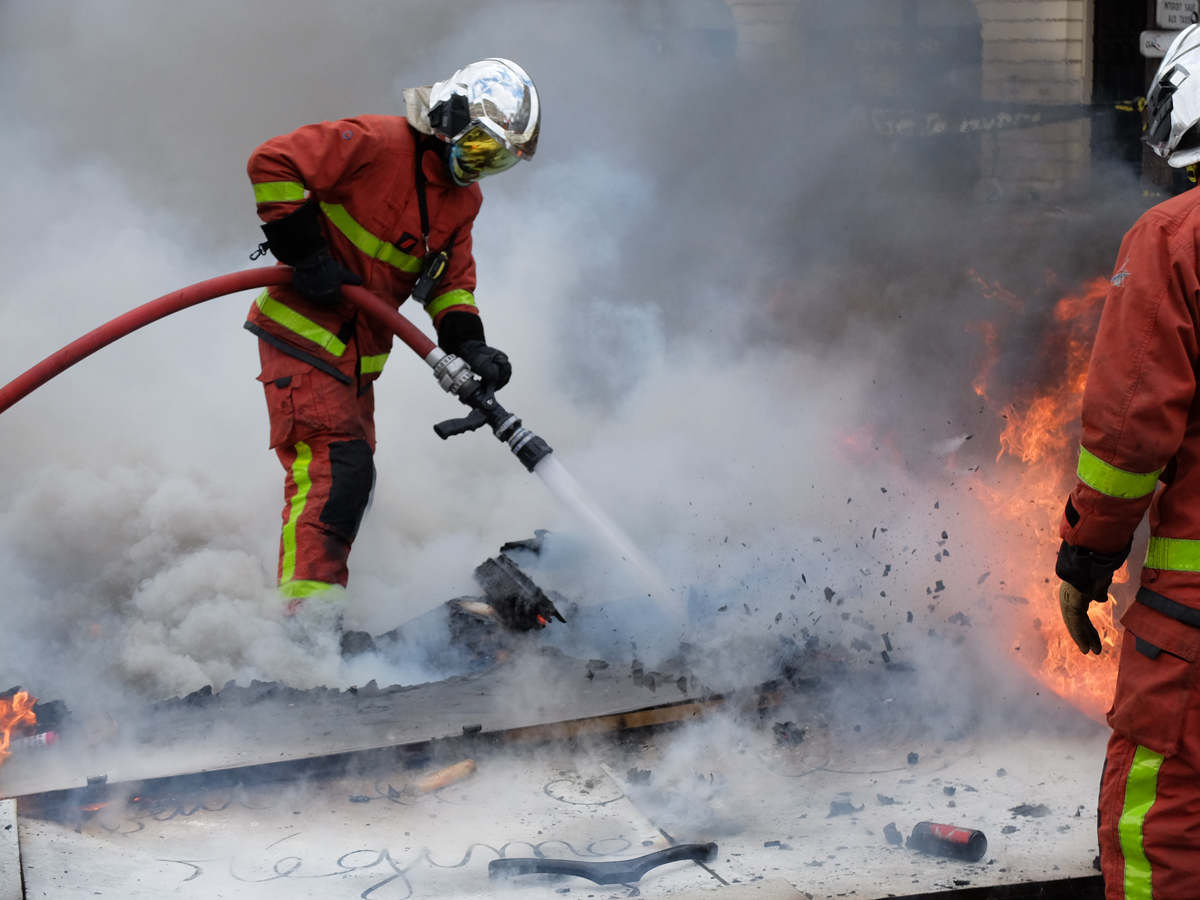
[723,294]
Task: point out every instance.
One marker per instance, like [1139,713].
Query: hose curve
[264,276]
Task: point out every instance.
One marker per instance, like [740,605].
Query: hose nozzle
[456,377]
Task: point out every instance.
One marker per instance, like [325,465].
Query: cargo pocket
[1157,679]
[281,408]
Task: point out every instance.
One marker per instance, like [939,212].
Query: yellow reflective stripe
[374,247]
[1096,473]
[1176,554]
[1140,791]
[370,364]
[448,299]
[293,321]
[278,191]
[299,499]
[297,589]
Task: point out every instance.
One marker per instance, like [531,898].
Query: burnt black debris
[910,617]
[887,641]
[520,603]
[788,732]
[843,808]
[828,594]
[938,587]
[913,759]
[1034,812]
[638,776]
[893,835]
[885,800]
[533,544]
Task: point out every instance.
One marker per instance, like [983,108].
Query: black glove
[296,240]
[320,277]
[490,364]
[461,333]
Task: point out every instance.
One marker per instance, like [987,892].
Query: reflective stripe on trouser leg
[1140,790]
[302,483]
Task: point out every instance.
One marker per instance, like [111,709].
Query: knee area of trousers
[352,472]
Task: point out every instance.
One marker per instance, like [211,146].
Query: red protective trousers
[323,432]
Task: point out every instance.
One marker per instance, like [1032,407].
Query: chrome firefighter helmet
[1173,103]
[489,115]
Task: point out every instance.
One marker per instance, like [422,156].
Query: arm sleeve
[310,159]
[456,291]
[1141,380]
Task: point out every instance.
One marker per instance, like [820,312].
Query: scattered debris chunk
[887,641]
[910,617]
[788,732]
[1034,812]
[638,776]
[360,798]
[945,536]
[435,781]
[885,800]
[959,619]
[1008,829]
[913,758]
[948,790]
[938,587]
[828,594]
[1000,773]
[983,578]
[843,808]
[892,833]
[856,644]
[967,787]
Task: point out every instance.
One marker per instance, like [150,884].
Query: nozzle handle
[473,420]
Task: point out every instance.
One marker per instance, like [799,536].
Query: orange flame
[1041,432]
[14,713]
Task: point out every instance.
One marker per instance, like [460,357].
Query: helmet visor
[478,154]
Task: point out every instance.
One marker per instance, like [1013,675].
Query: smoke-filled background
[742,316]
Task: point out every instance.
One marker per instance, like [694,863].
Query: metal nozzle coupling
[525,445]
[452,373]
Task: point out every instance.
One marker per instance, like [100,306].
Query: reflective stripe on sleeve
[278,191]
[1114,482]
[1174,554]
[303,482]
[448,299]
[374,247]
[293,321]
[372,364]
[1140,791]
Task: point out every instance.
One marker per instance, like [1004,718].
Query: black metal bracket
[618,871]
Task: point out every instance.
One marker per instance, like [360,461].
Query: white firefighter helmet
[1173,103]
[488,113]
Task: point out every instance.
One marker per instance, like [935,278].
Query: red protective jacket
[362,171]
[1141,419]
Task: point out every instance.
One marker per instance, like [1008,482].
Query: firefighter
[1141,426]
[371,201]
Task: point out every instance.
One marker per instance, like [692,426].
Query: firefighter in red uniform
[371,200]
[1141,426]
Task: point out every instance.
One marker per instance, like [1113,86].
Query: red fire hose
[173,302]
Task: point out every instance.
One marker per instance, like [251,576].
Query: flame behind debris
[1041,433]
[15,711]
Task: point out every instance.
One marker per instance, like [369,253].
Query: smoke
[738,314]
